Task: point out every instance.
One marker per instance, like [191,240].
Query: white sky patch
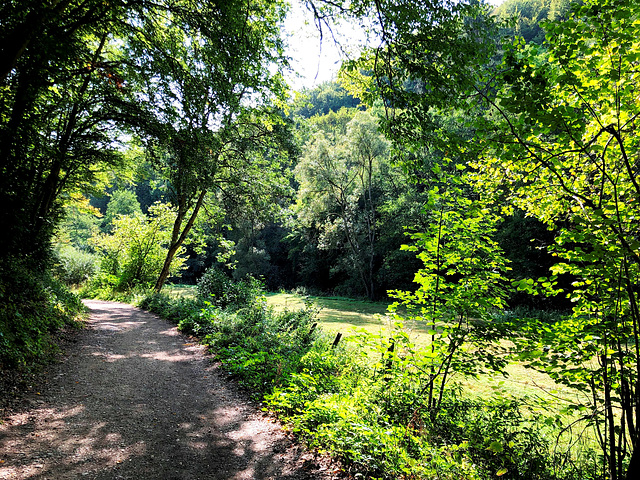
[313,60]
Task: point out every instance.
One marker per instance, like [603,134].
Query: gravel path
[135,399]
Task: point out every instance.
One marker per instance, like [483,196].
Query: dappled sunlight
[119,327]
[139,398]
[174,356]
[172,332]
[109,357]
[59,437]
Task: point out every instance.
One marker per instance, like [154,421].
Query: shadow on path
[135,400]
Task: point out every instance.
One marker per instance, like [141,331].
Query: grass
[179,291]
[339,314]
[345,315]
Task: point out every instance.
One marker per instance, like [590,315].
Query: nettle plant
[462,282]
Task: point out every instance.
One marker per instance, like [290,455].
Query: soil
[135,399]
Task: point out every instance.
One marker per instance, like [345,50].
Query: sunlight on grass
[180,291]
[345,315]
[340,314]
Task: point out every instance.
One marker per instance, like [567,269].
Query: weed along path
[134,399]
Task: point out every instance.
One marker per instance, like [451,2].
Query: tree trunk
[633,470]
[176,242]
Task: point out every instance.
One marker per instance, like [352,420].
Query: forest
[474,168]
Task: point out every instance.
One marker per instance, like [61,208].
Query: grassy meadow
[347,316]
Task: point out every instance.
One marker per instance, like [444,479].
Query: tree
[461,284]
[326,97]
[205,129]
[77,69]
[528,16]
[566,152]
[54,112]
[122,202]
[62,95]
[554,135]
[338,191]
[133,253]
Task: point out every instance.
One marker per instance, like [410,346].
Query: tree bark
[633,470]
[177,239]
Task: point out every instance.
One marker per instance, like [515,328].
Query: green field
[346,315]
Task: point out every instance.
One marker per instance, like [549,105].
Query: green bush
[32,307]
[219,289]
[73,266]
[260,347]
[177,310]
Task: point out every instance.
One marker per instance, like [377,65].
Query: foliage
[351,207]
[565,152]
[337,186]
[121,203]
[59,95]
[428,58]
[174,310]
[133,254]
[73,266]
[219,289]
[81,222]
[366,403]
[259,346]
[460,285]
[554,135]
[80,77]
[326,97]
[212,129]
[33,308]
[528,15]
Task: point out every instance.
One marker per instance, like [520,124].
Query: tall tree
[55,112]
[71,87]
[555,135]
[203,82]
[338,190]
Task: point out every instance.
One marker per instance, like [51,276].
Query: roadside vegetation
[365,397]
[33,310]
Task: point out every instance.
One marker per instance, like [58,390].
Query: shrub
[74,266]
[365,403]
[32,307]
[216,287]
[136,248]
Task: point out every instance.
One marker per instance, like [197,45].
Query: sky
[314,61]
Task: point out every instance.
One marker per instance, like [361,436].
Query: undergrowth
[32,308]
[366,402]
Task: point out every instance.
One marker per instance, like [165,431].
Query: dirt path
[135,400]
